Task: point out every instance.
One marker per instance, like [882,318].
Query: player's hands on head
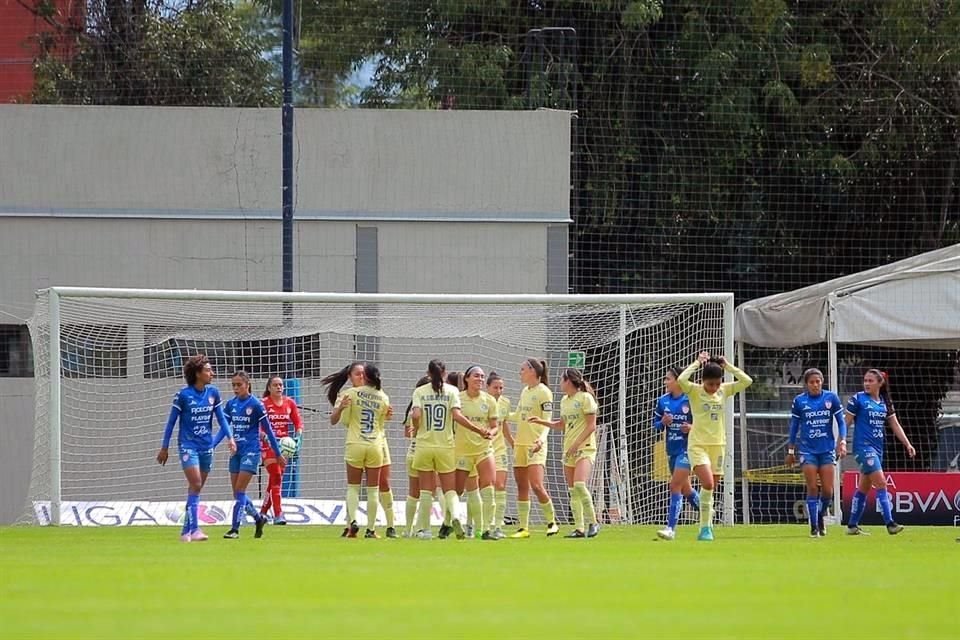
[162,456]
[704,357]
[720,360]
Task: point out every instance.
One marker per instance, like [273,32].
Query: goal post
[109,360]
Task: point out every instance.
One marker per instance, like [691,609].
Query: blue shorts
[195,458]
[681,460]
[817,459]
[249,462]
[870,460]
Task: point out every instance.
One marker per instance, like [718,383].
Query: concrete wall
[473,202]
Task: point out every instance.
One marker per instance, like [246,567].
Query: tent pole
[835,387]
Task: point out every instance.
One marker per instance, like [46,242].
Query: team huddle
[461,435]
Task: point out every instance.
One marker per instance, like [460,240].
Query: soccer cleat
[822,531]
[391,532]
[268,517]
[488,535]
[280,520]
[261,522]
[893,528]
[666,534]
[706,534]
[520,533]
[814,533]
[593,530]
[233,534]
[468,531]
[370,533]
[552,529]
[458,530]
[498,534]
[856,531]
[821,525]
[576,533]
[445,531]
[186,538]
[353,529]
[423,535]
[198,536]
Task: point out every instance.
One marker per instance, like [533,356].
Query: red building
[21,30]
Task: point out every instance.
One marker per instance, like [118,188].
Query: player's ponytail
[335,381]
[574,377]
[493,377]
[540,368]
[193,366]
[372,374]
[884,390]
[674,371]
[406,414]
[456,379]
[436,369]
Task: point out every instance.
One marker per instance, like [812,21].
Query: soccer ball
[288,447]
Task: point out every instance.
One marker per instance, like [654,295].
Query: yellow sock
[582,495]
[706,508]
[353,501]
[411,512]
[523,511]
[576,506]
[500,508]
[386,501]
[373,505]
[438,492]
[474,508]
[423,513]
[450,500]
[548,514]
[486,508]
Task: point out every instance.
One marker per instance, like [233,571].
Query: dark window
[16,353]
[93,351]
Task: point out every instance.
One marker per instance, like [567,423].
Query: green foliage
[206,54]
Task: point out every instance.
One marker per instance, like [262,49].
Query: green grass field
[753,582]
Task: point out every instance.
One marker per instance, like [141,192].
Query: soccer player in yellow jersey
[530,446]
[413,477]
[436,407]
[707,440]
[475,465]
[578,420]
[501,459]
[363,409]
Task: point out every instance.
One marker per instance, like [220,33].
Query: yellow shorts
[468,462]
[711,454]
[523,458]
[365,455]
[439,459]
[571,461]
[386,453]
[502,461]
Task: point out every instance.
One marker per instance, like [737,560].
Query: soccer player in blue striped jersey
[248,420]
[194,407]
[869,412]
[672,415]
[813,442]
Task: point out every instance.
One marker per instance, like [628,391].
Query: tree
[140,52]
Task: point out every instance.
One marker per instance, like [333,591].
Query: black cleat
[258,532]
[233,534]
[893,528]
[445,531]
[593,530]
[487,535]
[391,532]
[370,533]
[353,529]
[576,533]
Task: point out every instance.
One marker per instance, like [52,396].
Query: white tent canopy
[913,303]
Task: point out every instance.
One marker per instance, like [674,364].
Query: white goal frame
[57,293]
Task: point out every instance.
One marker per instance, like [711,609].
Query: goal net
[109,361]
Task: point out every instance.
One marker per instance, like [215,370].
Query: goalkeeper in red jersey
[286,422]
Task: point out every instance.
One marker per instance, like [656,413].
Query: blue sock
[238,510]
[192,502]
[813,510]
[884,499]
[694,499]
[186,517]
[673,515]
[249,508]
[857,506]
[825,503]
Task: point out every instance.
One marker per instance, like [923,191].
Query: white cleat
[424,535]
[666,534]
